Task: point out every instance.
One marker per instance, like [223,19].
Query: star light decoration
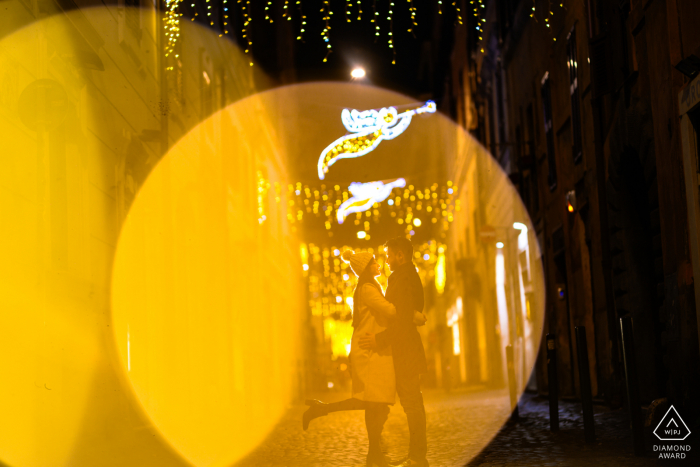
[368,128]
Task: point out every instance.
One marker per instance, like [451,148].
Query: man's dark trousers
[408,389]
[405,291]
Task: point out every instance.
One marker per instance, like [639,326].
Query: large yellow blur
[205,296]
[81,119]
[154,321]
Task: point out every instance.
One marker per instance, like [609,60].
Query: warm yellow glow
[73,115]
[160,326]
[340,335]
[191,282]
[358,73]
[416,222]
[440,276]
[304,252]
[570,207]
[456,349]
[361,234]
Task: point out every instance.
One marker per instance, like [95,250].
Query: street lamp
[358,73]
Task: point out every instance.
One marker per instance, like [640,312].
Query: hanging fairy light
[211,22]
[302,28]
[194,8]
[391,31]
[268,13]
[172,26]
[326,10]
[368,204]
[458,11]
[245,10]
[285,11]
[225,17]
[375,20]
[412,10]
[479,20]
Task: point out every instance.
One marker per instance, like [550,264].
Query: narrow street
[458,424]
[529,442]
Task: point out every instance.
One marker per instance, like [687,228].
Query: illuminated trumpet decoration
[367,129]
[364,195]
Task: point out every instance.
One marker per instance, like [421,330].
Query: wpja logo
[672,428]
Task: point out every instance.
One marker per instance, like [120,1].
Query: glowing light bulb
[417,222]
[358,73]
[499,245]
[361,234]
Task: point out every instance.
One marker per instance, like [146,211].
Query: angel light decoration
[367,129]
[364,195]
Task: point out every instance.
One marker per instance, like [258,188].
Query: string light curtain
[390,18]
[302,27]
[326,10]
[172,26]
[458,11]
[436,203]
[245,10]
[172,19]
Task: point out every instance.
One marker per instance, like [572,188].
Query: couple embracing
[387,355]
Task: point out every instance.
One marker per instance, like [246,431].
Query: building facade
[580,104]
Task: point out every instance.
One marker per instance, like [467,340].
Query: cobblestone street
[459,425]
[529,442]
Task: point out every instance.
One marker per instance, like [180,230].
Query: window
[549,132]
[133,16]
[531,145]
[572,63]
[501,116]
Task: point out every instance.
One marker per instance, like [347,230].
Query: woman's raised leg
[319,409]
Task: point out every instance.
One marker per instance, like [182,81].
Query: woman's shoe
[376,458]
[316,409]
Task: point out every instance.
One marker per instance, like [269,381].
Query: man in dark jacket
[405,292]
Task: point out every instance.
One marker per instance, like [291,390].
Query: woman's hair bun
[347,254]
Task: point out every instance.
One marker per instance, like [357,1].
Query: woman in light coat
[373,381]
